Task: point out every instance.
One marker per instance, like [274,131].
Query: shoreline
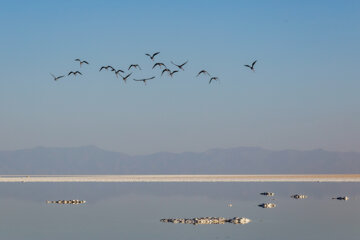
[184,178]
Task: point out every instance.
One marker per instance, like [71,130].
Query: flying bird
[81,62]
[134,66]
[56,78]
[152,56]
[180,66]
[159,64]
[166,70]
[125,78]
[144,79]
[213,78]
[252,66]
[74,73]
[106,67]
[117,72]
[203,72]
[171,73]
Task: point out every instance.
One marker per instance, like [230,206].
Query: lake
[134,210]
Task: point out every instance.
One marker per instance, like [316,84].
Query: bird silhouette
[159,64]
[152,56]
[203,72]
[144,79]
[106,67]
[180,66]
[117,72]
[134,66]
[252,66]
[165,70]
[81,62]
[56,78]
[171,73]
[213,78]
[74,73]
[125,78]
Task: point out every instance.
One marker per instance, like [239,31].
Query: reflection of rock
[299,196]
[342,198]
[267,205]
[207,220]
[67,201]
[267,193]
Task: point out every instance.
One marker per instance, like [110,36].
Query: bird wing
[252,65]
[156,64]
[184,63]
[60,76]
[77,60]
[128,75]
[85,62]
[155,54]
[202,71]
[165,70]
[139,79]
[52,75]
[71,73]
[174,64]
[78,72]
[149,78]
[148,55]
[247,66]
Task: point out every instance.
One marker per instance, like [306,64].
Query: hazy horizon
[180,152]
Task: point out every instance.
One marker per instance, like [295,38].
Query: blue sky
[303,95]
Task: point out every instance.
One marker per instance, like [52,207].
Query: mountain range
[241,160]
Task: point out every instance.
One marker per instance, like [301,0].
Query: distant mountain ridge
[241,160]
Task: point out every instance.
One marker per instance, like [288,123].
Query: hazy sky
[303,95]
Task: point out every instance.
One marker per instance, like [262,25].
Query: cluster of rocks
[207,220]
[299,196]
[270,194]
[75,201]
[267,205]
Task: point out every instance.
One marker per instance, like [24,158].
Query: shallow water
[134,210]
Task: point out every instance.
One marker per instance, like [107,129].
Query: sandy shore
[182,178]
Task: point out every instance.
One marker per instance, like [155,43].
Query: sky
[304,93]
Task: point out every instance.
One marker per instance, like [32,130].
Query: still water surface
[134,210]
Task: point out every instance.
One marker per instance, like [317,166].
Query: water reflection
[134,210]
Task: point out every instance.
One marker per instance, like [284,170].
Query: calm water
[134,210]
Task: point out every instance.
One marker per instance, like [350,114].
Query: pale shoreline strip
[184,178]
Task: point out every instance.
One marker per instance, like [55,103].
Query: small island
[270,194]
[267,205]
[75,201]
[345,198]
[206,220]
[299,196]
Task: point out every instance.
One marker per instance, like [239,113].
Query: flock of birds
[136,67]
